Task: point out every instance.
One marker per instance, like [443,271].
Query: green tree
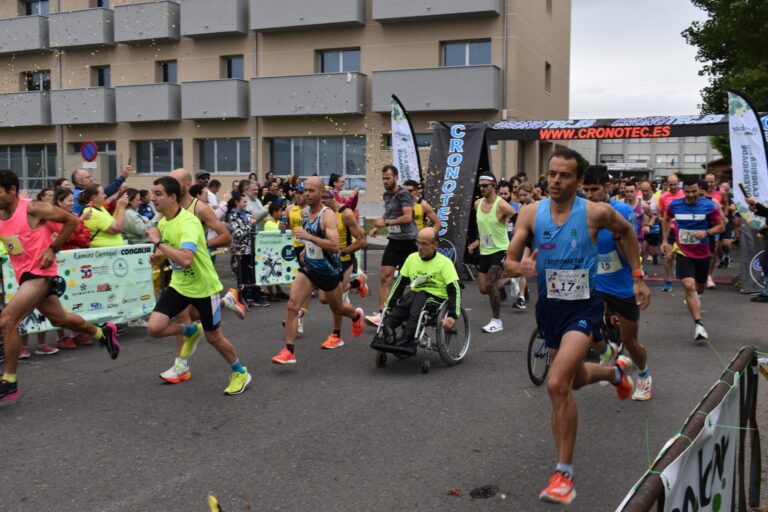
[733,45]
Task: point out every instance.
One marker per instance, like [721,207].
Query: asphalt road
[336,433]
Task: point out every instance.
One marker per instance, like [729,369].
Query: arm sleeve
[113,187]
[397,290]
[454,299]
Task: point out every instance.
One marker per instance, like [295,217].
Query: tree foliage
[733,46]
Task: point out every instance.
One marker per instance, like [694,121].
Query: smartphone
[129,160]
[744,190]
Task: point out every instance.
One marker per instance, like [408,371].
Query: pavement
[336,433]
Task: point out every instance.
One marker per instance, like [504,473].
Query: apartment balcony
[23,34]
[215,99]
[204,18]
[438,89]
[269,15]
[308,95]
[148,103]
[83,106]
[81,29]
[152,21]
[31,108]
[393,11]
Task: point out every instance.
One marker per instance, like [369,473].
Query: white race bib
[312,251]
[567,284]
[486,242]
[608,263]
[393,230]
[685,236]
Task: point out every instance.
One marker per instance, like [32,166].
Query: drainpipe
[60,150]
[504,75]
[256,121]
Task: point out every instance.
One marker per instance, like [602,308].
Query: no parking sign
[89,151]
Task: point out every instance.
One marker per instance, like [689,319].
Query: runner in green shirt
[179,238]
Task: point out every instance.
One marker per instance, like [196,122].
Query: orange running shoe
[624,386]
[332,342]
[559,491]
[358,325]
[284,357]
[362,290]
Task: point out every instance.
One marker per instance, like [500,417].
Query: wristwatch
[386,222]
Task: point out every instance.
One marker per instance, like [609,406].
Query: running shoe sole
[332,347]
[181,378]
[110,341]
[556,501]
[279,361]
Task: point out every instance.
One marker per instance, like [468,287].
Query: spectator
[82,179]
[199,192]
[242,228]
[269,176]
[275,192]
[136,225]
[62,183]
[213,189]
[254,206]
[104,228]
[45,195]
[146,208]
[273,220]
[336,182]
[253,177]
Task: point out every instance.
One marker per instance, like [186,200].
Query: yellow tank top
[418,215]
[345,237]
[294,221]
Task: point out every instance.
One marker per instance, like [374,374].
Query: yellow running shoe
[190,342]
[238,382]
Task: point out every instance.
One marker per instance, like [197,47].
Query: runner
[295,216]
[673,192]
[401,234]
[726,238]
[708,188]
[651,223]
[697,218]
[351,240]
[180,239]
[423,213]
[32,253]
[564,228]
[321,268]
[493,215]
[615,283]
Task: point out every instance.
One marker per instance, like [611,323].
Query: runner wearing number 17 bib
[564,230]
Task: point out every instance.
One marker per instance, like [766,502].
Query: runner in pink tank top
[32,253]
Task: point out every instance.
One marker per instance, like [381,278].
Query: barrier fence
[703,467]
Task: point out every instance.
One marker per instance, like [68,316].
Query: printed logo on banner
[272,267]
[447,249]
[146,297]
[96,305]
[120,267]
[103,288]
[755,270]
[86,272]
[76,307]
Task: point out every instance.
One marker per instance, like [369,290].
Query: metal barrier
[649,491]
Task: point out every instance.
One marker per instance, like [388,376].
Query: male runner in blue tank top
[564,229]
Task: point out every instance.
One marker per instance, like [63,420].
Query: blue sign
[89,151]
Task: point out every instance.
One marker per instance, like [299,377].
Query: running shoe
[357,325]
[373,320]
[761,297]
[24,353]
[284,357]
[238,382]
[261,303]
[190,342]
[710,282]
[299,323]
[727,261]
[700,333]
[332,342]
[179,372]
[624,386]
[362,290]
[82,340]
[9,391]
[606,358]
[519,304]
[110,341]
[667,286]
[232,303]
[66,343]
[560,490]
[494,325]
[46,350]
[643,389]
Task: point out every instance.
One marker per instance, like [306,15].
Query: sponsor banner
[623,128]
[405,156]
[703,476]
[276,261]
[459,152]
[749,157]
[108,283]
[751,247]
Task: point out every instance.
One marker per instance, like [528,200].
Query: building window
[166,72]
[611,158]
[35,165]
[233,67]
[548,77]
[668,140]
[466,53]
[158,156]
[697,139]
[423,140]
[101,3]
[225,155]
[305,156]
[694,159]
[666,159]
[340,61]
[639,158]
[101,76]
[36,7]
[36,80]
[549,7]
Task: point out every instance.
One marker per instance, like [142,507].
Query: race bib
[12,244]
[510,228]
[312,251]
[567,284]
[486,241]
[608,263]
[685,236]
[393,230]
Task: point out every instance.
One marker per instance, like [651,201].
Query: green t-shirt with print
[432,276]
[98,225]
[185,231]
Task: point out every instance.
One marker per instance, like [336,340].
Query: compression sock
[237,367]
[290,347]
[9,377]
[189,330]
[337,333]
[643,373]
[699,322]
[354,283]
[355,318]
[566,469]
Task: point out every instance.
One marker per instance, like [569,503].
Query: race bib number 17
[567,284]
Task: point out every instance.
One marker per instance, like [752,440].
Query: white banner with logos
[108,283]
[702,477]
[405,156]
[276,261]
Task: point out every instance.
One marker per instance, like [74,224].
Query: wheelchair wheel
[538,358]
[381,359]
[425,366]
[453,345]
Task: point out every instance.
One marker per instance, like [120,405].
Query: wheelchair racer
[433,279]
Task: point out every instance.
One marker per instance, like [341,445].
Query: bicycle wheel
[538,358]
[454,344]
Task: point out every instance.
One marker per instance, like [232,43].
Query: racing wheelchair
[452,345]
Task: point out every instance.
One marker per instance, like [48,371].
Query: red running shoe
[624,386]
[559,491]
